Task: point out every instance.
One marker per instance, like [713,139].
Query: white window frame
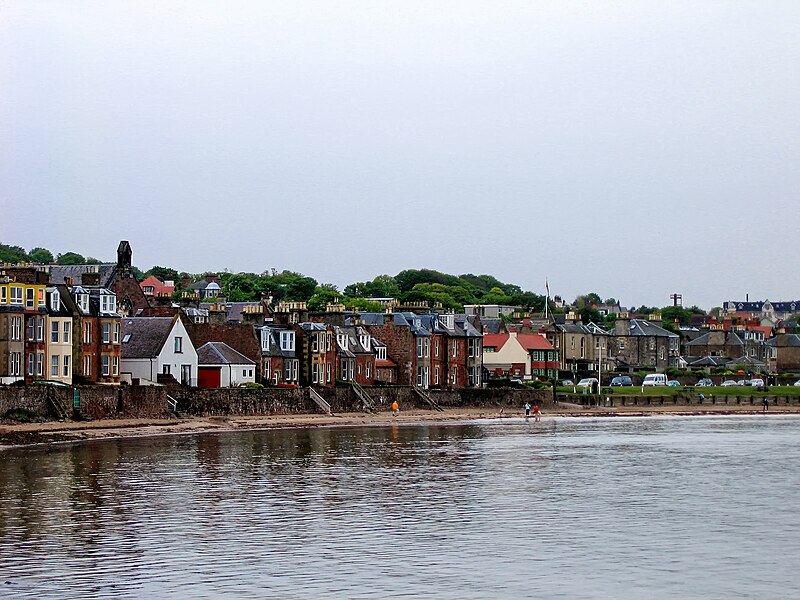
[287,341]
[115,365]
[40,329]
[106,333]
[54,332]
[55,366]
[16,295]
[40,364]
[178,344]
[66,365]
[67,332]
[30,298]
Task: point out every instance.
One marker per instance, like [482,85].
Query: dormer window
[55,301]
[342,341]
[108,303]
[380,352]
[287,341]
[365,341]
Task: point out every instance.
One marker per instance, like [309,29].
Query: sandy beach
[16,434]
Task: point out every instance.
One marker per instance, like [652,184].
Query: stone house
[640,343]
[280,365]
[784,352]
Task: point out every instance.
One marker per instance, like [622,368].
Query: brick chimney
[90,278]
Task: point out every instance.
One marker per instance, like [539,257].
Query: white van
[654,379]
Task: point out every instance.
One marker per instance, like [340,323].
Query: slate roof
[234,310]
[642,327]
[492,326]
[781,341]
[758,306]
[219,353]
[731,339]
[57,273]
[148,336]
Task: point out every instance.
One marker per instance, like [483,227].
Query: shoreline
[21,435]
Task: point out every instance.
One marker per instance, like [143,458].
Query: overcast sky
[633,149]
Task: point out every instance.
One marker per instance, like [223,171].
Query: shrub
[23,415]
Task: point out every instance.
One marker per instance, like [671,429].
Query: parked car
[567,382]
[654,379]
[673,383]
[621,380]
[705,383]
[741,382]
[797,383]
[587,382]
[756,382]
[728,383]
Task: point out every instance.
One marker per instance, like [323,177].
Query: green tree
[324,294]
[41,255]
[70,258]
[13,254]
[163,273]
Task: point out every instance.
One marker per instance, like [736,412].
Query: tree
[163,273]
[13,254]
[70,258]
[41,255]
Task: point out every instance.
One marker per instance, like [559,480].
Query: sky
[630,148]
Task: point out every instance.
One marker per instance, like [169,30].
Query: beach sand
[15,434]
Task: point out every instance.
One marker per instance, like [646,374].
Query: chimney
[622,326]
[68,281]
[91,278]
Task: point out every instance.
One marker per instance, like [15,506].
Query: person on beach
[765,402]
[395,408]
[527,410]
[536,413]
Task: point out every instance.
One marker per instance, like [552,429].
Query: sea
[572,508]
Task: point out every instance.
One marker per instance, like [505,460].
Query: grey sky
[633,148]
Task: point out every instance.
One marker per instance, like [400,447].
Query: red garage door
[208,377]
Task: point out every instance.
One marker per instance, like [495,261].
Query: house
[119,278]
[153,287]
[97,338]
[23,316]
[219,365]
[784,352]
[157,346]
[385,367]
[639,343]
[580,347]
[60,317]
[208,287]
[355,355]
[241,337]
[519,355]
[316,352]
[407,342]
[23,304]
[279,362]
[491,311]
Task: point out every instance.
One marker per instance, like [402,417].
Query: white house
[153,346]
[219,365]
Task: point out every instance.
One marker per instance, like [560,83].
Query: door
[209,377]
[186,374]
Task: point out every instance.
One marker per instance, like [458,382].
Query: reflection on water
[565,508]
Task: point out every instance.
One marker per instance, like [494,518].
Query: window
[419,347]
[328,372]
[115,365]
[622,344]
[106,333]
[39,364]
[127,338]
[87,332]
[31,329]
[108,303]
[83,302]
[455,348]
[178,345]
[652,343]
[436,376]
[67,331]
[583,349]
[455,377]
[87,366]
[369,369]
[3,294]
[54,332]
[287,341]
[436,348]
[66,365]
[381,353]
[55,301]
[164,369]
[16,294]
[572,342]
[40,328]
[54,366]
[419,376]
[264,340]
[186,374]
[15,363]
[314,344]
[16,328]
[314,373]
[116,333]
[244,373]
[31,364]
[30,297]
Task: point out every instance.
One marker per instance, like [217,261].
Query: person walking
[395,408]
[765,402]
[536,413]
[527,410]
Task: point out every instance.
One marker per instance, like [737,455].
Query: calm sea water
[567,508]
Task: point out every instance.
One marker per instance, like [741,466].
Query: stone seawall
[110,402]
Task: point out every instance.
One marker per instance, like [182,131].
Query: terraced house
[23,321]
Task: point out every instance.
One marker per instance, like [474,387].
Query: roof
[59,273]
[219,353]
[782,341]
[159,287]
[650,329]
[533,341]
[147,336]
[730,338]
